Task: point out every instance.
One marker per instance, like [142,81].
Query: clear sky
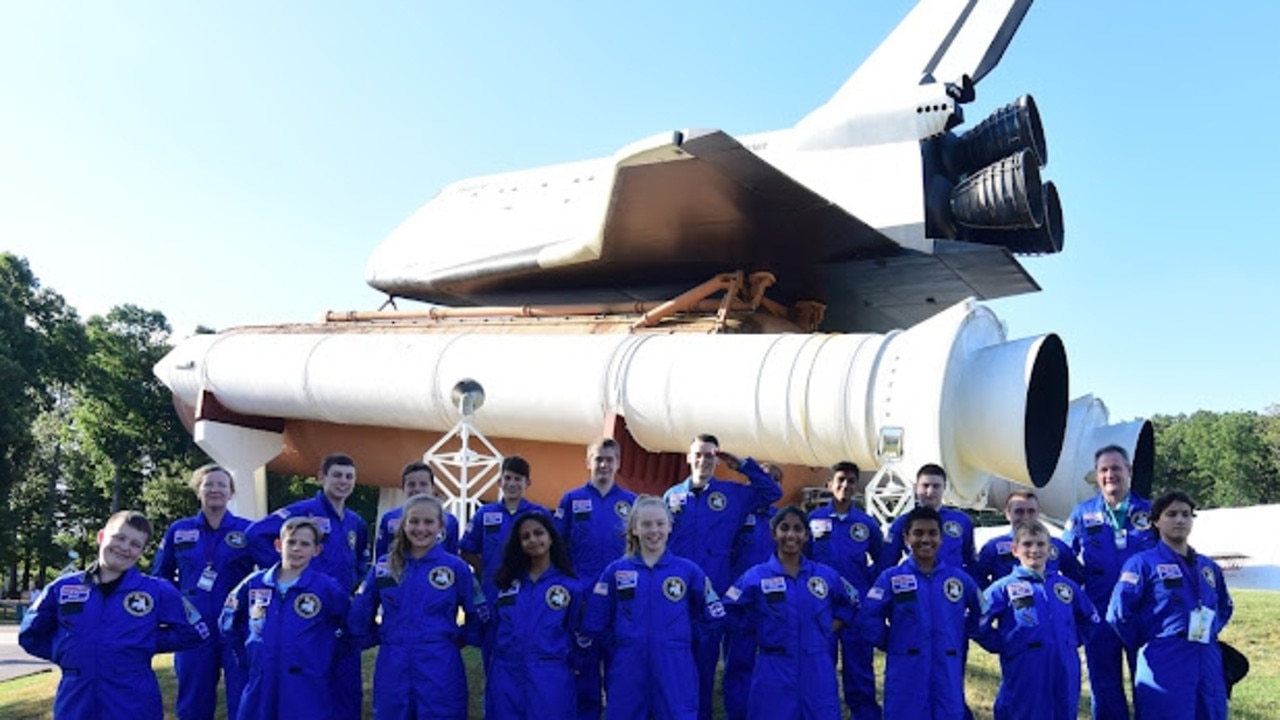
[236,163]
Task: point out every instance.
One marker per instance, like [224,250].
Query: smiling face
[120,546]
[338,482]
[418,482]
[297,547]
[1032,550]
[924,537]
[513,485]
[651,526]
[215,490]
[1112,472]
[843,486]
[421,525]
[790,534]
[702,461]
[1175,523]
[535,541]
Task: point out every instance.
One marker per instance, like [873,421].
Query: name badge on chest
[1200,625]
[206,579]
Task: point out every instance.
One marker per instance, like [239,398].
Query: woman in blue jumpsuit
[794,607]
[647,605]
[206,556]
[1169,605]
[420,587]
[535,617]
[1036,619]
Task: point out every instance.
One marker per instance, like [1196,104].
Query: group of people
[626,605]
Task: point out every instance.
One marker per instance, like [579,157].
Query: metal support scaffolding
[466,464]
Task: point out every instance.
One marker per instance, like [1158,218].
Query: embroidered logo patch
[440,577]
[1141,519]
[818,587]
[1129,577]
[903,583]
[138,603]
[732,594]
[73,593]
[953,589]
[626,579]
[492,518]
[186,536]
[622,509]
[322,523]
[1004,548]
[673,588]
[859,532]
[1018,590]
[601,588]
[1209,577]
[951,528]
[236,540]
[773,584]
[307,606]
[351,539]
[582,506]
[1168,570]
[557,597]
[1064,592]
[717,501]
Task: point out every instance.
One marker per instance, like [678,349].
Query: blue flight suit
[707,522]
[996,559]
[289,641]
[852,544]
[1103,546]
[650,616]
[1037,624]
[390,520]
[753,546]
[419,671]
[104,643]
[594,529]
[345,558]
[1153,609]
[957,541]
[529,675]
[923,622]
[792,621]
[206,564]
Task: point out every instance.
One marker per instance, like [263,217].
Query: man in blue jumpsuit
[103,625]
[708,514]
[1104,532]
[753,546]
[592,520]
[345,559]
[849,540]
[1036,620]
[1169,606]
[996,558]
[206,556]
[286,625]
[417,478]
[957,529]
[921,613]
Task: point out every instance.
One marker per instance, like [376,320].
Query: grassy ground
[1255,630]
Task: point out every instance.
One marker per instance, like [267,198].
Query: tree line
[87,429]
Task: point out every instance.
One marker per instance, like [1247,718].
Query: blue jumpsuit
[995,560]
[650,616]
[1037,625]
[707,522]
[957,541]
[1103,546]
[345,558]
[289,641]
[104,643]
[205,564]
[529,674]
[792,620]
[391,520]
[594,529]
[753,546]
[419,671]
[923,622]
[1154,609]
[852,544]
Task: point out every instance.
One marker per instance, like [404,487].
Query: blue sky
[236,163]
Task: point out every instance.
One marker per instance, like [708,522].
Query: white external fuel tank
[962,395]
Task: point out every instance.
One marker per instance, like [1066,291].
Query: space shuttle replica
[753,287]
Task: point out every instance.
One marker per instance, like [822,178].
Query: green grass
[1255,630]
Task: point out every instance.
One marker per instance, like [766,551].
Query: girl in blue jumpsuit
[794,607]
[922,614]
[1169,605]
[535,616]
[1036,619]
[285,624]
[648,605]
[206,556]
[420,588]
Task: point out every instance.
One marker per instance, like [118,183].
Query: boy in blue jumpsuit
[417,478]
[753,546]
[648,606]
[103,625]
[285,624]
[793,607]
[922,614]
[592,522]
[1169,606]
[345,559]
[708,514]
[1104,532]
[1036,619]
[996,558]
[849,540]
[206,556]
[957,529]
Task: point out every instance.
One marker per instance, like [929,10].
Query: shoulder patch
[601,588]
[1129,577]
[732,594]
[875,593]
